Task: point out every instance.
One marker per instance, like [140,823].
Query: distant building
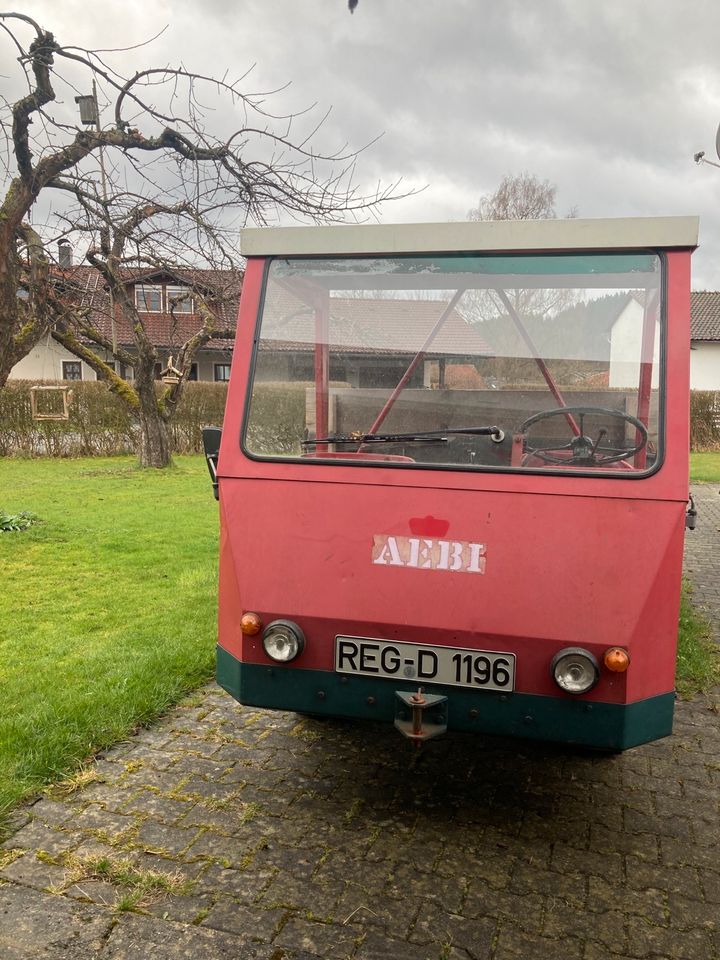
[705,340]
[373,341]
[167,305]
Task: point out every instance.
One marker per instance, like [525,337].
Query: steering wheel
[583,449]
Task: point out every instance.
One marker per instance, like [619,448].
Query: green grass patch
[698,657]
[705,467]
[107,607]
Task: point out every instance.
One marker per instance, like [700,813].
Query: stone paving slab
[475,848]
[229,832]
[702,552]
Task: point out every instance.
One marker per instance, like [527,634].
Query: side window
[72,370]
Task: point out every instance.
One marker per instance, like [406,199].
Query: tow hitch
[420,716]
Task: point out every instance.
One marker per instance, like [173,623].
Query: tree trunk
[155,449]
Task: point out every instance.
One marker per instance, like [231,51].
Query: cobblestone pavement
[702,552]
[227,832]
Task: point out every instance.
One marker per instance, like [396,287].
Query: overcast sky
[609,101]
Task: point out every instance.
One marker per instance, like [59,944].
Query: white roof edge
[482,236]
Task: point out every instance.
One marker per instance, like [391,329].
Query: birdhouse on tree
[170,375]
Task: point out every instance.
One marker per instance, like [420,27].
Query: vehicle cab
[453,476]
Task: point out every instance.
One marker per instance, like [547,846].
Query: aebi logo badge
[455,556]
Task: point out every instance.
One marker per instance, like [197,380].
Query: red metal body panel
[593,561]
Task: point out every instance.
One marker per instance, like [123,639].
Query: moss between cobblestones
[141,887]
[78,781]
[8,856]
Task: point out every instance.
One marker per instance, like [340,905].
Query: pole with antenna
[90,116]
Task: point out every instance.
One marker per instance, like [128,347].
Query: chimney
[65,254]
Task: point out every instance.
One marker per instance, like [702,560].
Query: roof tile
[705,315]
[86,285]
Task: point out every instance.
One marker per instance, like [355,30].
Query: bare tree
[518,197]
[521,196]
[167,194]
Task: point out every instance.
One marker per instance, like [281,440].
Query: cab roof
[498,236]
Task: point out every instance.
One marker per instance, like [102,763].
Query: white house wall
[625,346]
[705,366]
[44,362]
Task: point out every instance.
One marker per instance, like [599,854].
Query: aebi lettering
[421,553]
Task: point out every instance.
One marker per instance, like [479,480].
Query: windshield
[473,362]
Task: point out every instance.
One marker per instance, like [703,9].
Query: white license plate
[420,663]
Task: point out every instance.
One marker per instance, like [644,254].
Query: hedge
[704,420]
[100,425]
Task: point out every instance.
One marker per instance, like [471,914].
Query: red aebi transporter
[453,476]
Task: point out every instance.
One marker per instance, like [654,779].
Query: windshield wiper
[422,436]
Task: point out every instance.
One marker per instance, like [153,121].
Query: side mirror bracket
[211,444]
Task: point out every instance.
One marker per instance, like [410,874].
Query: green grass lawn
[705,467]
[698,656]
[107,607]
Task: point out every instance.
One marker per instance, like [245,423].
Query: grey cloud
[608,100]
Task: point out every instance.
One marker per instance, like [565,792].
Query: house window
[72,370]
[193,375]
[222,372]
[179,299]
[148,298]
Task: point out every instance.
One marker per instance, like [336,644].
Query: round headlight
[575,670]
[283,640]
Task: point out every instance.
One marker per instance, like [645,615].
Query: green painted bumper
[607,726]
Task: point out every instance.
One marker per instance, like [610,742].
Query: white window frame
[73,362]
[182,306]
[140,301]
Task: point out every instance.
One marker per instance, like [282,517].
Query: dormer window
[149,297]
[164,298]
[179,299]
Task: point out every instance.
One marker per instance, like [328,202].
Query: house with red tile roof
[371,338]
[168,305]
[373,341]
[705,340]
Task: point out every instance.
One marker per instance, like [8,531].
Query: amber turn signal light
[616,659]
[250,624]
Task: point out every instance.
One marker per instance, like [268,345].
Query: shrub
[99,423]
[12,522]
[704,420]
[278,418]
